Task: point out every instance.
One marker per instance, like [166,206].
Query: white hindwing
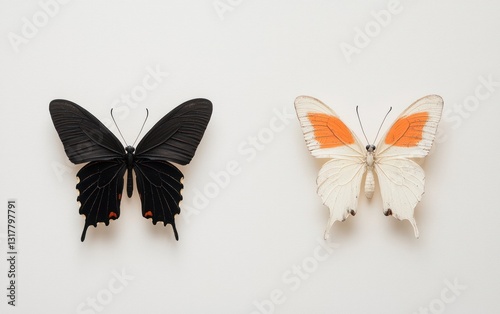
[401,183]
[339,184]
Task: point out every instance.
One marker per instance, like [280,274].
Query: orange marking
[148,214]
[330,131]
[407,131]
[112,215]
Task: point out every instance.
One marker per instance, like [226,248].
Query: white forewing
[306,107]
[407,145]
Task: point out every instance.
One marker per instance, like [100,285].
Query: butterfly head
[370,148]
[129,149]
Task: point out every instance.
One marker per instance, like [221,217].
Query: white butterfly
[401,179]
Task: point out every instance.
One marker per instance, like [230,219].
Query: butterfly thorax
[129,156]
[370,156]
[129,159]
[370,180]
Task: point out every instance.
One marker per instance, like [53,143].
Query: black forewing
[177,135]
[100,191]
[84,137]
[159,186]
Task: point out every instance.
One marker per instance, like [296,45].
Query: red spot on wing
[112,215]
[330,131]
[148,214]
[407,131]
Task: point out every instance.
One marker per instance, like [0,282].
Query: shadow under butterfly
[172,139]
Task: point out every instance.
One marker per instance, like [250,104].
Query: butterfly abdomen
[369,183]
[129,160]
[370,180]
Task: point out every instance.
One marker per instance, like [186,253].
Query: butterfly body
[400,178]
[172,139]
[129,161]
[370,179]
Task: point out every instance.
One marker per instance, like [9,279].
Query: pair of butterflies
[177,135]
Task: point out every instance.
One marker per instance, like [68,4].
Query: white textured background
[253,243]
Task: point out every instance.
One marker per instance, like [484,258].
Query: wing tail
[414,225]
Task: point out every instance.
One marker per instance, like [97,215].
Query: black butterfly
[174,138]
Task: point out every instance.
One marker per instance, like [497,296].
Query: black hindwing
[100,190]
[159,186]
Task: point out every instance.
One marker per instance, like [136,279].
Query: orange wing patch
[148,214]
[330,131]
[112,215]
[407,131]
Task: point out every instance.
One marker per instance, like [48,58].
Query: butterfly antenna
[142,127]
[361,124]
[382,124]
[112,117]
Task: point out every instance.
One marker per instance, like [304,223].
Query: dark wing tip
[200,102]
[61,103]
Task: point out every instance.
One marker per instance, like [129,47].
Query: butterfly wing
[174,138]
[401,186]
[84,137]
[100,189]
[339,184]
[159,185]
[177,135]
[411,136]
[326,136]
